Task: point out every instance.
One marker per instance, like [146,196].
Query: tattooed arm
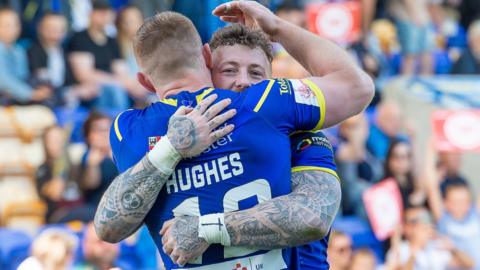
[132,194]
[303,216]
[128,200]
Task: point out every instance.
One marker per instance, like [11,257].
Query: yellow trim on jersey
[203,94]
[169,101]
[321,102]
[315,168]
[264,96]
[115,126]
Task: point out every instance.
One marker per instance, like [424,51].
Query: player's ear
[207,54]
[143,80]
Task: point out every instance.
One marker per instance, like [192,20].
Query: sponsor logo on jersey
[284,86]
[303,93]
[313,140]
[152,141]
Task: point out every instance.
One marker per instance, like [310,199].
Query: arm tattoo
[181,132]
[300,217]
[186,234]
[127,201]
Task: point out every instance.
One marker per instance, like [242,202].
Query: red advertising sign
[456,131]
[384,206]
[340,22]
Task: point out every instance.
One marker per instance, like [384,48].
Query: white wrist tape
[212,228]
[164,156]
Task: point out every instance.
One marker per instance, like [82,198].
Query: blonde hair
[166,44]
[54,249]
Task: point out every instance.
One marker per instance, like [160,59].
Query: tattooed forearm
[128,200]
[303,216]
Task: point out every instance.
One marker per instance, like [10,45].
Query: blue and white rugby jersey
[250,165]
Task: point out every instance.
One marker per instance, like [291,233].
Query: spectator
[46,57]
[283,65]
[400,166]
[363,259]
[53,249]
[339,251]
[14,65]
[292,12]
[94,56]
[365,58]
[54,176]
[469,61]
[96,254]
[422,248]
[448,167]
[456,213]
[414,32]
[357,167]
[372,10]
[97,168]
[128,20]
[386,127]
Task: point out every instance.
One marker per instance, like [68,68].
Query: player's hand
[249,13]
[192,130]
[180,239]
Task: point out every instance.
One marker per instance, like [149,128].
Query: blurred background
[409,165]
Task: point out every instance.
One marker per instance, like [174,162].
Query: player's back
[248,166]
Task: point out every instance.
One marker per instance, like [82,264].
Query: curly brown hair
[238,34]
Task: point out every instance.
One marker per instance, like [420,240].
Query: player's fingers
[226,8]
[217,108]
[182,110]
[220,119]
[217,134]
[166,225]
[204,104]
[168,248]
[230,19]
[164,239]
[182,261]
[174,255]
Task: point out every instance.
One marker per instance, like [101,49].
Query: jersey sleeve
[312,151]
[120,141]
[291,104]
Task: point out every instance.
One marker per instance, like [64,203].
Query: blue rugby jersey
[248,166]
[311,151]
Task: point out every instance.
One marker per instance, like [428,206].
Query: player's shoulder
[137,119]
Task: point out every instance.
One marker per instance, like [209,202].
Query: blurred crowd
[74,60]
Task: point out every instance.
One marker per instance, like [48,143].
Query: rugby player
[241,58]
[231,168]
